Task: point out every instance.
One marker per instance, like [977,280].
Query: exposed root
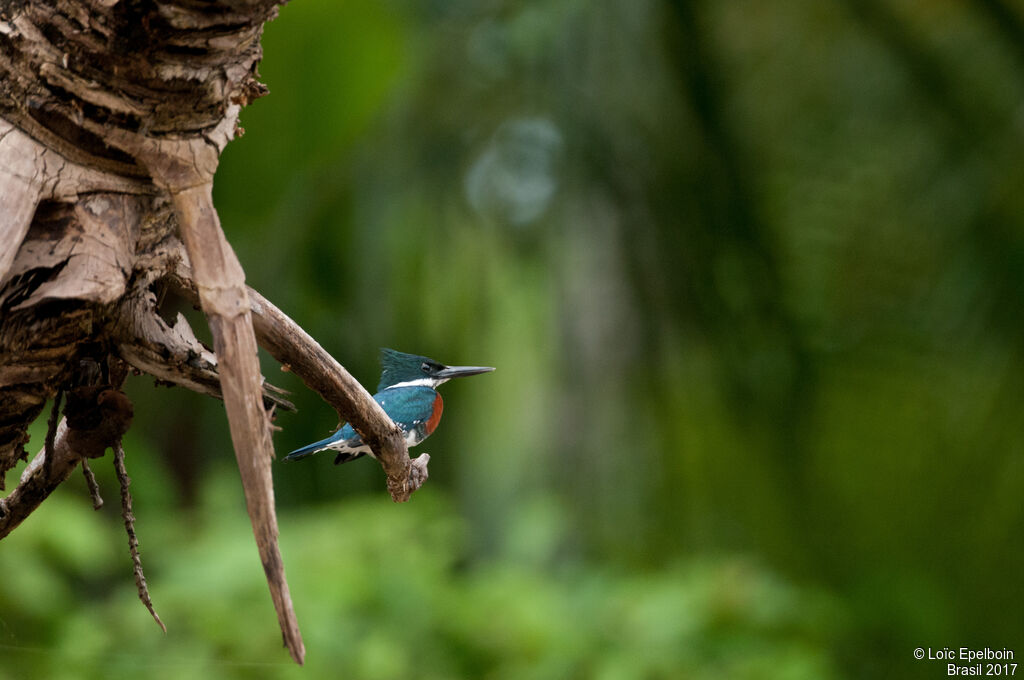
[94,487]
[113,131]
[129,525]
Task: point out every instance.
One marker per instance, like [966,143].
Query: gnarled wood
[20,189]
[301,354]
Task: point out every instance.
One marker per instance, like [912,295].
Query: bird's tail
[309,450]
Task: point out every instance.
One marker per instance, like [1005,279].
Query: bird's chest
[435,414]
[426,422]
[418,414]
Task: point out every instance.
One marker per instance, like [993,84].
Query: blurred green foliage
[751,274]
[385,592]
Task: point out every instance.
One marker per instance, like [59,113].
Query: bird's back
[414,408]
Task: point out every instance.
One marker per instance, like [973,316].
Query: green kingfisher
[407,394]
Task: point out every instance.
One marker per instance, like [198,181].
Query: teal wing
[409,407]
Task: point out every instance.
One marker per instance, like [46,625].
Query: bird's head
[404,369]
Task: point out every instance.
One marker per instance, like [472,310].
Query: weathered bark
[113,115]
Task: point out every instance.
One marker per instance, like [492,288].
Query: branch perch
[301,354]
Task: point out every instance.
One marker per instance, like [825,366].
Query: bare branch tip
[402,487]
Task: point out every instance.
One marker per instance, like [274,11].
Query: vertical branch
[221,283]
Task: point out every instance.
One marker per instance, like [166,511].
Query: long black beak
[461,371]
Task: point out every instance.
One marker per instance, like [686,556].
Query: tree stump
[113,116]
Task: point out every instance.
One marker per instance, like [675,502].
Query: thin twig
[94,487]
[129,525]
[51,430]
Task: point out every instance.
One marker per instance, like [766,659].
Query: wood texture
[20,189]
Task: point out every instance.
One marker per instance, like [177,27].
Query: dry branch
[38,481]
[301,354]
[171,353]
[222,292]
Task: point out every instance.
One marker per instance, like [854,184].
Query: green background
[752,275]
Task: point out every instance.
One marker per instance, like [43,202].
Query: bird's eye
[425,367]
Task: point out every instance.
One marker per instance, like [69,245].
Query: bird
[407,393]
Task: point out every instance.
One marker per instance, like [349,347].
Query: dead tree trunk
[113,115]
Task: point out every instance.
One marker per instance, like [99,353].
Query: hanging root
[51,430]
[94,487]
[129,525]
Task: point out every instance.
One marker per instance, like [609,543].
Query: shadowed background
[752,275]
